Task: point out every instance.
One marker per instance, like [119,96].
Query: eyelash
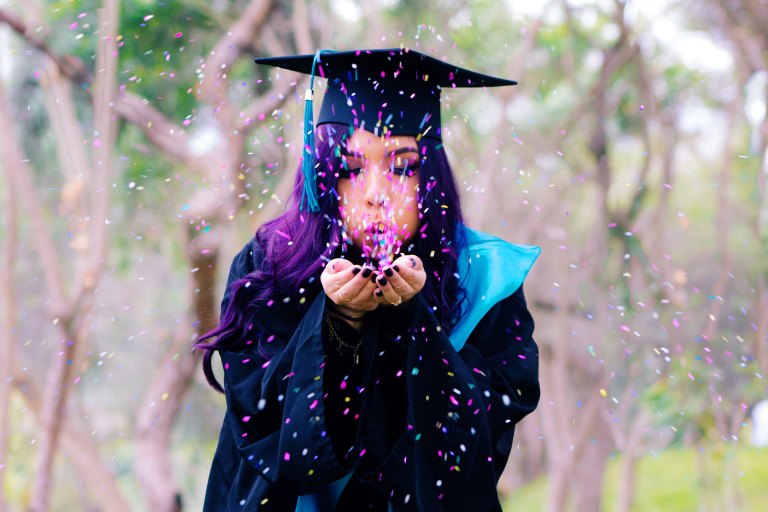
[398,171]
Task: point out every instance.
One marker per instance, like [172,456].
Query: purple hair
[296,245]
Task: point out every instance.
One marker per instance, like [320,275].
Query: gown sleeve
[274,444]
[460,410]
[274,402]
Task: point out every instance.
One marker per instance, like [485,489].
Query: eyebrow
[398,151]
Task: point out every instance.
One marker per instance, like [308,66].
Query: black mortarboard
[390,90]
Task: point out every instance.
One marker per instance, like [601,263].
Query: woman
[377,353]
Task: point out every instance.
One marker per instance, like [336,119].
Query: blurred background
[140,148]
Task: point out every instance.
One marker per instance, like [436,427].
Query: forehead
[363,139]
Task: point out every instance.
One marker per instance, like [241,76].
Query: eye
[404,166]
[350,165]
[348,173]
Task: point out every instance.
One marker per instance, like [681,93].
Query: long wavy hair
[289,269]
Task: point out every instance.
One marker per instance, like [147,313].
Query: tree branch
[266,104]
[302,34]
[70,66]
[215,85]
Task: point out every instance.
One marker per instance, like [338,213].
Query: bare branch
[169,137]
[490,155]
[104,88]
[748,46]
[61,111]
[301,29]
[15,162]
[270,41]
[70,66]
[214,87]
[614,59]
[266,104]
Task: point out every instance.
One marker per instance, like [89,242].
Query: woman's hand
[349,287]
[400,281]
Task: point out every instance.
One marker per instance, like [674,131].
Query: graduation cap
[385,91]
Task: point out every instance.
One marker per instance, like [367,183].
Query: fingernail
[373,277]
[413,262]
[397,269]
[382,280]
[379,293]
[356,270]
[388,271]
[367,272]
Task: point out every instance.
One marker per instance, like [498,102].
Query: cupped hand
[400,281]
[349,286]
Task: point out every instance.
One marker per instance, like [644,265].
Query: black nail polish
[373,277]
[367,272]
[388,271]
[383,281]
[356,270]
[397,269]
[379,293]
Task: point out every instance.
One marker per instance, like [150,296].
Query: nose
[375,188]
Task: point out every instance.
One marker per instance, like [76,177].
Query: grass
[677,480]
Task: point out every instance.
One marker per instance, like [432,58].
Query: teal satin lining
[323,500]
[496,271]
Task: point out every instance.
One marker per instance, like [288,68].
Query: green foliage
[159,44]
[670,481]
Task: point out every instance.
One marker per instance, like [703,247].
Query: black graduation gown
[433,427]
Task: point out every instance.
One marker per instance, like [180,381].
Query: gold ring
[399,301]
[341,298]
[397,288]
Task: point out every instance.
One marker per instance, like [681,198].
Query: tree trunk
[73,326]
[164,396]
[7,310]
[589,470]
[558,492]
[626,494]
[80,448]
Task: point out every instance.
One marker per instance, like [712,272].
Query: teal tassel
[309,193]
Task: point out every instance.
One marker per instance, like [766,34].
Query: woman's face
[378,187]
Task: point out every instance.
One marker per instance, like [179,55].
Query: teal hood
[490,269]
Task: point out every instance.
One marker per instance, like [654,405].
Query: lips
[377,227]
